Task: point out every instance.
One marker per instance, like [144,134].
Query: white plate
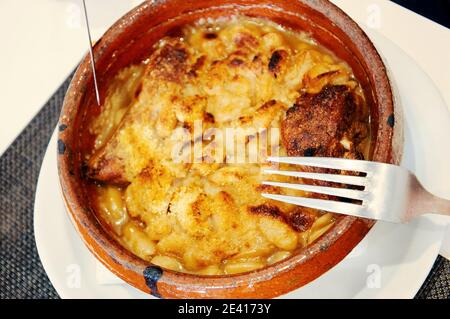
[392,261]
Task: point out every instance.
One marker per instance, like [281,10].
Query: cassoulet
[165,181]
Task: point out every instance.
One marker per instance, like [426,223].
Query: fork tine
[333,191]
[321,204]
[335,178]
[327,162]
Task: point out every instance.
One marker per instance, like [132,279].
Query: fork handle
[428,203]
[425,202]
[439,206]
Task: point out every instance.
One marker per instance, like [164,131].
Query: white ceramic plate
[392,261]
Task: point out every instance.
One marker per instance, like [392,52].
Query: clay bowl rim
[100,243]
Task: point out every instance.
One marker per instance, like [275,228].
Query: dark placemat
[21,272]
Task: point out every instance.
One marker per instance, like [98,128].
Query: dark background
[437,10]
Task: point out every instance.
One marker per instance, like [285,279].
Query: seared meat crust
[316,123]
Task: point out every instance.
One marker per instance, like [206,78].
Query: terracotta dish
[128,42]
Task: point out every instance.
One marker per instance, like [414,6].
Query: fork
[386,192]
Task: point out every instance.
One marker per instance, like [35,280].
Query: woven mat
[21,272]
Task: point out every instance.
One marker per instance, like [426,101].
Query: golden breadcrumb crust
[209,218]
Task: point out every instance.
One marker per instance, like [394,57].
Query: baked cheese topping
[205,214]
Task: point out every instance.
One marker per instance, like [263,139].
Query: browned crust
[300,219]
[267,210]
[315,125]
[170,63]
[276,60]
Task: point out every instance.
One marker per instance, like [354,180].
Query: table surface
[45,42]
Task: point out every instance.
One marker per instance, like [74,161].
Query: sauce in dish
[167,182]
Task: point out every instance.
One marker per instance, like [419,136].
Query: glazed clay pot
[129,41]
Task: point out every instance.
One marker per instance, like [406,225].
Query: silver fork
[390,193]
